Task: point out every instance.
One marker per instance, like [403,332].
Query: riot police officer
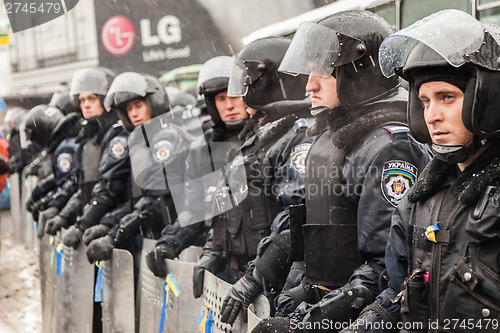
[253,235]
[38,126]
[442,253]
[56,189]
[228,115]
[141,102]
[53,192]
[360,165]
[91,84]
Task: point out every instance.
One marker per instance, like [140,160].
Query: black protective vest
[331,220]
[454,281]
[91,154]
[248,222]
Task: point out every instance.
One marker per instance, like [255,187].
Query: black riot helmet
[212,80]
[131,85]
[62,101]
[95,80]
[67,127]
[40,122]
[454,47]
[255,74]
[344,45]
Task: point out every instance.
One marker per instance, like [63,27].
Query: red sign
[118,35]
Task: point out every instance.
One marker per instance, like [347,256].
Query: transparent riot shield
[15,205]
[48,262]
[28,235]
[118,293]
[74,292]
[215,291]
[181,313]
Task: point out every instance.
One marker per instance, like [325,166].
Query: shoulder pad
[118,124]
[395,129]
[299,124]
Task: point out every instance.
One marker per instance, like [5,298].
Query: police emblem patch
[298,157]
[162,150]
[64,162]
[397,179]
[118,147]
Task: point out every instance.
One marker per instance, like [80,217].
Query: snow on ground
[20,306]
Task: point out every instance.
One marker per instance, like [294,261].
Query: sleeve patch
[64,162]
[118,147]
[298,157]
[397,179]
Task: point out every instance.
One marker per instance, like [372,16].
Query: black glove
[44,216]
[100,249]
[73,237]
[94,232]
[241,295]
[53,225]
[211,261]
[156,259]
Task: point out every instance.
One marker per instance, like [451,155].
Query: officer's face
[442,104]
[230,108]
[324,91]
[137,111]
[90,105]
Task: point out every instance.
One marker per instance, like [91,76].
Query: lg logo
[118,35]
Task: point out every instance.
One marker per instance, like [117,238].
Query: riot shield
[48,261]
[118,293]
[15,206]
[181,312]
[215,291]
[74,292]
[28,235]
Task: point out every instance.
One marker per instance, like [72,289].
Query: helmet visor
[239,79]
[453,34]
[89,80]
[125,87]
[317,50]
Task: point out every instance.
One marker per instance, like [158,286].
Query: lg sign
[118,33]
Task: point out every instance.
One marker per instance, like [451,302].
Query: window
[414,10]
[388,12]
[490,15]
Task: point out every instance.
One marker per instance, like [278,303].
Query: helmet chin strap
[235,125]
[457,153]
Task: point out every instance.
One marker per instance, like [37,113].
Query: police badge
[64,162]
[118,147]
[298,157]
[397,178]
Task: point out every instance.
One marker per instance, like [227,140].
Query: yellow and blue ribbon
[430,232]
[98,283]
[206,320]
[59,255]
[170,284]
